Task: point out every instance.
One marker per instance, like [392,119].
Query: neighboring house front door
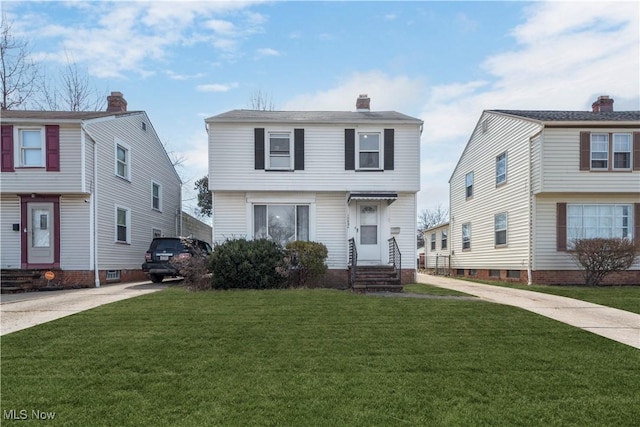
[368,233]
[40,226]
[40,236]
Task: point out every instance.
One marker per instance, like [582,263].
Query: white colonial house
[529,182]
[436,249]
[83,194]
[346,179]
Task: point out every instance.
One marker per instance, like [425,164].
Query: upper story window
[369,151]
[599,151]
[501,168]
[500,229]
[468,183]
[31,147]
[156,196]
[443,241]
[621,151]
[433,241]
[466,236]
[609,151]
[123,160]
[280,151]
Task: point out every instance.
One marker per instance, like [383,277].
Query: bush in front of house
[306,261]
[600,257]
[248,264]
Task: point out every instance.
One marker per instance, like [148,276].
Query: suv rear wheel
[156,278]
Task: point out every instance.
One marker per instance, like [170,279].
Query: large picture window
[587,221]
[281,223]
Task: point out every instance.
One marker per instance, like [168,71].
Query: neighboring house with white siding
[528,182]
[436,244]
[320,176]
[84,193]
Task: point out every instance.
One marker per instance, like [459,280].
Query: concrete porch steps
[378,278]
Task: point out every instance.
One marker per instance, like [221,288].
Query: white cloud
[386,93]
[216,87]
[176,76]
[268,52]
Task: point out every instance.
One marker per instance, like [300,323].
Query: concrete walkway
[22,311]
[612,323]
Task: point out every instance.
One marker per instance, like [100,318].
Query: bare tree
[433,216]
[599,257]
[18,73]
[261,101]
[71,91]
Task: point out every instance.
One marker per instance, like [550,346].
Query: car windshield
[168,245]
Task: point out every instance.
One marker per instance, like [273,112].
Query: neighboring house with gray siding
[321,176]
[84,193]
[529,182]
[194,228]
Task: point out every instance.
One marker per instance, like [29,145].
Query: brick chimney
[362,104]
[604,103]
[116,102]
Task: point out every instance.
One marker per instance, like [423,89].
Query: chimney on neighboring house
[362,104]
[116,102]
[604,103]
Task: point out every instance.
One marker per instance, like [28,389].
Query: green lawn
[316,357]
[622,297]
[421,288]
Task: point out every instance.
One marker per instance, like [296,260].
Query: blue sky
[443,62]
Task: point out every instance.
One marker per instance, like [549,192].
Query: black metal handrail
[353,259]
[395,257]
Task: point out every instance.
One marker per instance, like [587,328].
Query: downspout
[531,202]
[94,209]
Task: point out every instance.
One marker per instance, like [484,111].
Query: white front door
[368,233]
[40,233]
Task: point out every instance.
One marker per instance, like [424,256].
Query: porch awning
[389,197]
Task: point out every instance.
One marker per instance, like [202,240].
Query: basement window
[113,275]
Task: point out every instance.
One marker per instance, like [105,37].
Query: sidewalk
[22,311]
[612,323]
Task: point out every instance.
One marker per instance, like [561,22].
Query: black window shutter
[259,148]
[298,138]
[389,136]
[349,149]
[636,151]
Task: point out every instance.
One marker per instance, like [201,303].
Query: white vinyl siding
[324,146]
[561,166]
[75,236]
[402,215]
[437,257]
[10,241]
[505,135]
[546,255]
[38,180]
[230,220]
[331,229]
[135,194]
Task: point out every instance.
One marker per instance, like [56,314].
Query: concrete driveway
[21,311]
[612,323]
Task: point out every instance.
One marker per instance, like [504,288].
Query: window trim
[18,148]
[153,232]
[267,150]
[444,236]
[505,230]
[433,241]
[468,188]
[631,220]
[498,160]
[629,152]
[466,225]
[159,208]
[380,150]
[127,225]
[128,163]
[295,210]
[591,152]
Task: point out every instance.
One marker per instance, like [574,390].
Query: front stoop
[19,280]
[379,278]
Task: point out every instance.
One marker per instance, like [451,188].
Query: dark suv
[163,249]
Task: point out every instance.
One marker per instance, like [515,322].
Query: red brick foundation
[85,278]
[548,277]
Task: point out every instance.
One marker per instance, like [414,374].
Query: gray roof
[574,116]
[59,115]
[313,117]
